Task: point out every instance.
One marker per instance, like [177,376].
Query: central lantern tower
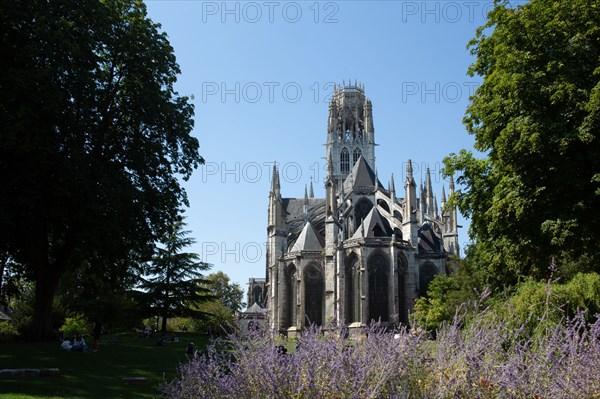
[350,131]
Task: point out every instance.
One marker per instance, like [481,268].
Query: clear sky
[261,74]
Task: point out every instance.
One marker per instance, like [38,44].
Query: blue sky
[261,74]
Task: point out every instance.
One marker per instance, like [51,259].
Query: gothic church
[363,252]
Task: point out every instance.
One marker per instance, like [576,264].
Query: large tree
[536,117]
[93,136]
[231,295]
[173,281]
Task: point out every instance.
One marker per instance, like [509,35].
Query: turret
[392,189]
[443,203]
[276,238]
[409,217]
[368,113]
[422,202]
[275,216]
[428,195]
[330,191]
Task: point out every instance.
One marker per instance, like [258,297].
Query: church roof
[374,225]
[308,240]
[293,210]
[255,308]
[361,178]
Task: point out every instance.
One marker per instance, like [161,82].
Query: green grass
[94,375]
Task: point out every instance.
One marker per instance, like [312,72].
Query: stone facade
[362,253]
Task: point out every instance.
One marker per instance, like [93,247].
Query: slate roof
[293,210]
[361,178]
[308,240]
[372,220]
[255,308]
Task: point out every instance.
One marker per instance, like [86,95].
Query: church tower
[350,131]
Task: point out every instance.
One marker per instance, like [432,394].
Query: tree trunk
[163,328]
[3,262]
[47,276]
[46,283]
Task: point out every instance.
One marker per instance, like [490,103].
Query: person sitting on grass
[79,344]
[162,341]
[66,345]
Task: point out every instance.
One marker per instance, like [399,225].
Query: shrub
[8,331]
[74,325]
[217,319]
[482,359]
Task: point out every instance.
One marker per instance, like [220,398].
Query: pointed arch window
[314,293]
[290,285]
[355,155]
[352,290]
[345,161]
[402,289]
[378,288]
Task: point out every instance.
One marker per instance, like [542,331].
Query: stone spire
[275,185]
[305,207]
[422,200]
[443,199]
[428,194]
[392,190]
[311,193]
[410,195]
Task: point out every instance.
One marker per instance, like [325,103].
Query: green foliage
[74,325]
[102,295]
[447,293]
[536,117]
[540,305]
[8,332]
[229,294]
[217,319]
[94,138]
[431,310]
[175,324]
[172,282]
[21,305]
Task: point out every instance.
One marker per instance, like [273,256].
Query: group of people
[78,344]
[163,340]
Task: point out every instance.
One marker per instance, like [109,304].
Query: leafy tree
[536,117]
[448,292]
[92,140]
[173,280]
[229,294]
[104,295]
[217,320]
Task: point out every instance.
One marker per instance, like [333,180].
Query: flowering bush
[482,359]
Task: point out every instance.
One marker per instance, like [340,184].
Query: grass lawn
[94,375]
